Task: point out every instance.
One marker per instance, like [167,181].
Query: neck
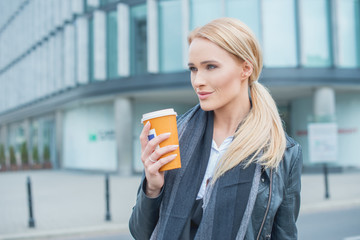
[228,118]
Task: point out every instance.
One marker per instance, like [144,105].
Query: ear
[247,70]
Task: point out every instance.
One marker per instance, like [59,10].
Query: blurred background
[77,75]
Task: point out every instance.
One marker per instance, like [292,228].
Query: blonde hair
[261,131]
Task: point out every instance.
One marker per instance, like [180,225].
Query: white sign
[323,145]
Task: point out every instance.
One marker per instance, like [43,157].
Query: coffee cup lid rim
[159,113]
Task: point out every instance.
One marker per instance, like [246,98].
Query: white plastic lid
[156,114]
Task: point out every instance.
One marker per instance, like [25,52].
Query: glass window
[203,11]
[170,37]
[314,28]
[247,11]
[347,30]
[111,38]
[138,39]
[48,142]
[34,128]
[105,2]
[279,33]
[357,22]
[16,136]
[90,5]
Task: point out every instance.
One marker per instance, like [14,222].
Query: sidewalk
[344,191]
[69,202]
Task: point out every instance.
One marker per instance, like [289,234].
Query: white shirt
[215,155]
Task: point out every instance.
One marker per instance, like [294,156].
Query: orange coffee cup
[164,121]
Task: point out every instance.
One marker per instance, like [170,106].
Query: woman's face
[218,77]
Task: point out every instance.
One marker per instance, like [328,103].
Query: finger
[162,151]
[153,143]
[144,135]
[161,162]
[158,153]
[151,160]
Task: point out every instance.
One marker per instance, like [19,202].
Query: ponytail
[265,107]
[261,131]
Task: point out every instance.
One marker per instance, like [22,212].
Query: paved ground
[69,203]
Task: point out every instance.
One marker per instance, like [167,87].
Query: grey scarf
[230,217]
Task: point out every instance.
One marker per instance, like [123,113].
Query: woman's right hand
[151,158]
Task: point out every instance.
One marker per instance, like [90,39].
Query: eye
[192,69]
[210,66]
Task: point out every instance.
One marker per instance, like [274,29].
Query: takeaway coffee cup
[164,121]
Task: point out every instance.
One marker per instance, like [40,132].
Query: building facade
[76,75]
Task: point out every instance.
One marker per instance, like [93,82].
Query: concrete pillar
[99,45]
[78,6]
[324,104]
[124,135]
[37,69]
[48,12]
[2,134]
[58,62]
[59,132]
[185,12]
[2,94]
[123,40]
[4,141]
[82,48]
[52,65]
[66,10]
[93,3]
[27,135]
[69,55]
[153,36]
[46,63]
[58,21]
[43,20]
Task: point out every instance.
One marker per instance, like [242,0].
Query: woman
[240,175]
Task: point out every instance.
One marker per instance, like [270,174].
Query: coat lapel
[231,201]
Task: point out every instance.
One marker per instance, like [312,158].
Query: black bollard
[327,195]
[107,197]
[31,217]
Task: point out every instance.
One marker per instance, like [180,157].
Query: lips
[203,95]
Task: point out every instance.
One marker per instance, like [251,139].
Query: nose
[197,79]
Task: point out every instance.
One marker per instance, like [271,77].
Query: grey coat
[274,213]
[276,207]
[278,201]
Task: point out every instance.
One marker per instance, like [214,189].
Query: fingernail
[147,124]
[173,155]
[174,146]
[166,134]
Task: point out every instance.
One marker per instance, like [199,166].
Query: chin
[206,106]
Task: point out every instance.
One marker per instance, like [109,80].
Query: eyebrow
[204,62]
